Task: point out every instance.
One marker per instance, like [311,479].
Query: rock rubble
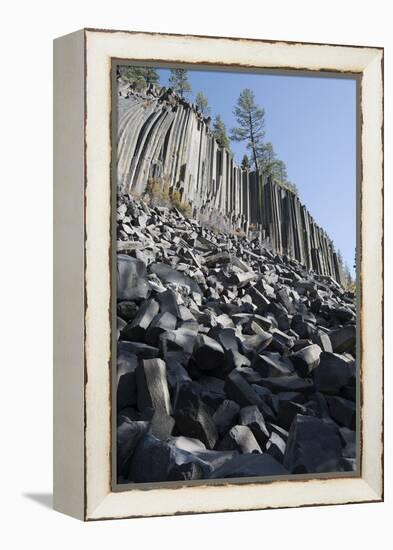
[232,361]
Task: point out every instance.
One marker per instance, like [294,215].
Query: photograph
[235,238]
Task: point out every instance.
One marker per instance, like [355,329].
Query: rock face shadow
[44,499]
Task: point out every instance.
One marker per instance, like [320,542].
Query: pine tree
[220,133]
[245,163]
[202,103]
[138,77]
[179,82]
[251,122]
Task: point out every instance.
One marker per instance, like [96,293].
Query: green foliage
[202,103]
[251,123]
[178,81]
[349,283]
[245,163]
[183,207]
[157,193]
[138,77]
[220,133]
[270,165]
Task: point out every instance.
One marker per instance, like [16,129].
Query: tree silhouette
[245,163]
[138,77]
[220,133]
[202,103]
[251,123]
[179,82]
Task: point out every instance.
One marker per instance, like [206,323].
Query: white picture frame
[82,258]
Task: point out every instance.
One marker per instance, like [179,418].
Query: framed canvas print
[218,274]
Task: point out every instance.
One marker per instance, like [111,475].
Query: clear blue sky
[311,122]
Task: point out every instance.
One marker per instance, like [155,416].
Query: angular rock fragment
[239,390]
[153,393]
[208,353]
[287,412]
[225,416]
[161,323]
[131,278]
[344,339]
[192,416]
[275,446]
[154,460]
[239,438]
[252,417]
[333,373]
[306,360]
[136,329]
[142,351]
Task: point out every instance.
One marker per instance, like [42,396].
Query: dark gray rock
[208,353]
[127,310]
[275,446]
[288,383]
[348,438]
[126,381]
[193,418]
[344,339]
[342,411]
[142,351]
[252,417]
[154,461]
[238,389]
[333,373]
[239,438]
[161,323]
[128,435]
[225,416]
[153,393]
[306,360]
[168,275]
[250,465]
[287,412]
[131,279]
[313,446]
[136,329]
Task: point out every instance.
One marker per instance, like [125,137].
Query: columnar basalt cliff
[164,138]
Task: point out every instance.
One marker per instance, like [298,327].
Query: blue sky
[311,122]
